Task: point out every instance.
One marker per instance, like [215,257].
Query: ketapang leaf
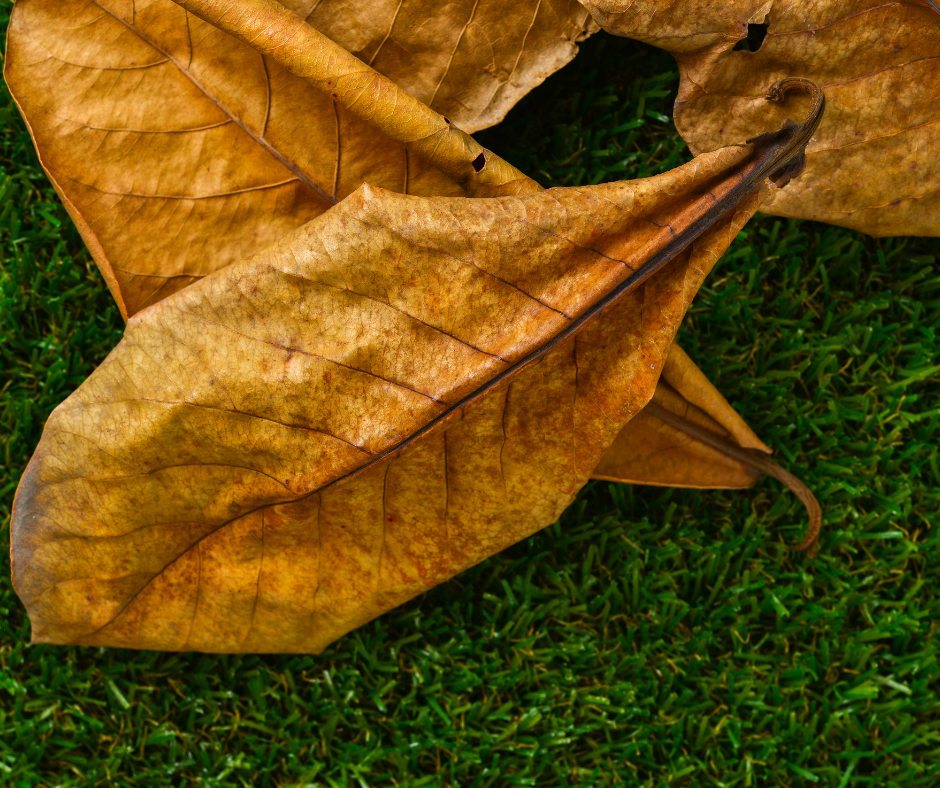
[179,150]
[871,165]
[402,387]
[147,117]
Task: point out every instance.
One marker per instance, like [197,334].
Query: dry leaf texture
[278,453]
[179,150]
[470,60]
[276,32]
[871,165]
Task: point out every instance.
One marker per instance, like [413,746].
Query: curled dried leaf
[870,164]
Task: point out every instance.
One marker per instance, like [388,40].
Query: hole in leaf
[479,163]
[752,42]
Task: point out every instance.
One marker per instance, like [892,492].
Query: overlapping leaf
[299,442]
[871,164]
[179,150]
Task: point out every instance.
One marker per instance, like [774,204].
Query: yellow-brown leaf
[871,164]
[299,442]
[179,150]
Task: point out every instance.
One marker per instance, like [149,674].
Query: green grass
[651,637]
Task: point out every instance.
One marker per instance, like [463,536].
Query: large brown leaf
[386,396]
[179,150]
[871,165]
[216,193]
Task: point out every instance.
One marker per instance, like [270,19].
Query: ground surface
[651,637]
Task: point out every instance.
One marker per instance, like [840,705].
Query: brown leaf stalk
[757,460]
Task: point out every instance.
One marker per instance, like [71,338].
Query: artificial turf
[651,637]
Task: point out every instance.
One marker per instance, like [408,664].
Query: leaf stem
[755,459]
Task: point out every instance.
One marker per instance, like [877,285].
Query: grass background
[651,637]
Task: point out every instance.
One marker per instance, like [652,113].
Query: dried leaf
[386,396]
[179,150]
[220,209]
[871,164]
[138,518]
